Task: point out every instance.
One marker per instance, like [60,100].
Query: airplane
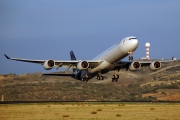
[109,60]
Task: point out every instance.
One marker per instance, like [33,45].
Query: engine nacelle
[82,65]
[134,66]
[48,64]
[155,65]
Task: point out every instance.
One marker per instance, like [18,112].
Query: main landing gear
[115,78]
[99,76]
[85,78]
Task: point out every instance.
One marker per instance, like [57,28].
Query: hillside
[141,85]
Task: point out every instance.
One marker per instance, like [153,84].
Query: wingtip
[6,56]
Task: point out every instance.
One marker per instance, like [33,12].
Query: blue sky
[50,29]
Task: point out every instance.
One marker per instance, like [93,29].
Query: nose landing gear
[130,55]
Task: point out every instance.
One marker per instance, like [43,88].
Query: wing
[126,64]
[73,63]
[60,63]
[148,62]
[25,60]
[122,65]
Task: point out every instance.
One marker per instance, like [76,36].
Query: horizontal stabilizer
[59,74]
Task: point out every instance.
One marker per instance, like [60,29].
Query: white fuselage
[115,53]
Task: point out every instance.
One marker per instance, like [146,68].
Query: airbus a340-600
[109,60]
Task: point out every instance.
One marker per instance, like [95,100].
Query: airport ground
[91,111]
[142,85]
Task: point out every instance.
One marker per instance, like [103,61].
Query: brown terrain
[141,85]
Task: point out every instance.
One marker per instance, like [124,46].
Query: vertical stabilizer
[72,55]
[72,58]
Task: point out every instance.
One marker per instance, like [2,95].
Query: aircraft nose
[135,44]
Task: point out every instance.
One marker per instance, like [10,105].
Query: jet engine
[155,65]
[82,65]
[48,64]
[134,66]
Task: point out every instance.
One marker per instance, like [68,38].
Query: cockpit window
[132,38]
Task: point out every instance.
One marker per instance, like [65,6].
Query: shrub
[118,115]
[65,116]
[99,109]
[152,109]
[93,112]
[164,93]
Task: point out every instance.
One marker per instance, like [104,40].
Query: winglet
[6,56]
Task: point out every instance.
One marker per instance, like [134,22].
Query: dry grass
[49,111]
